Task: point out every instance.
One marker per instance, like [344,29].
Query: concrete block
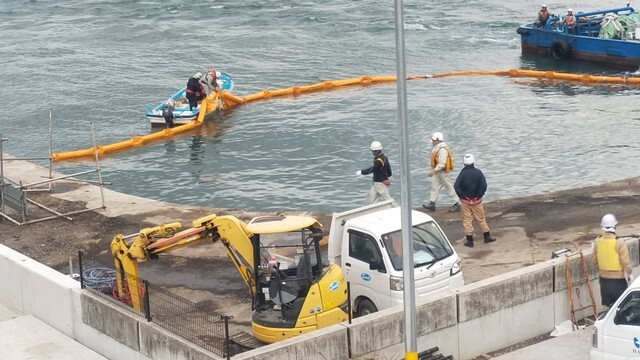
[384,329]
[506,327]
[109,319]
[10,289]
[158,343]
[446,340]
[326,343]
[503,291]
[99,341]
[46,294]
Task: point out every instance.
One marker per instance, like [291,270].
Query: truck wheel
[560,49]
[366,307]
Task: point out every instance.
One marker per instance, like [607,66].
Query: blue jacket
[470,183]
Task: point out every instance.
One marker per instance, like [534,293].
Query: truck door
[621,332]
[365,269]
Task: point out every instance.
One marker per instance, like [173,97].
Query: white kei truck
[616,333]
[367,244]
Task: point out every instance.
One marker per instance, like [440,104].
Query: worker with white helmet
[195,91]
[543,16]
[570,20]
[381,171]
[470,187]
[611,257]
[210,81]
[440,172]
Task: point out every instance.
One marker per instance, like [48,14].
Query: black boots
[488,238]
[469,242]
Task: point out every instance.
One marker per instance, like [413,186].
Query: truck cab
[367,244]
[616,333]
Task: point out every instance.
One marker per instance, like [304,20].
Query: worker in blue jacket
[470,187]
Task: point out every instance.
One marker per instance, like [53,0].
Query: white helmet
[198,75]
[468,159]
[609,223]
[171,102]
[544,5]
[569,10]
[437,136]
[376,145]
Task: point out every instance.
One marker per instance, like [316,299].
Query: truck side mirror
[377,264]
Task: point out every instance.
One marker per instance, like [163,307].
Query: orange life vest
[448,165]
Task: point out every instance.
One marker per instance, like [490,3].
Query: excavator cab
[296,291]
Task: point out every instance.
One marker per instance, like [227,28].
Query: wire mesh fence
[195,322]
[190,320]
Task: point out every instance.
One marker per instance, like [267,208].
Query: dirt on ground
[528,231]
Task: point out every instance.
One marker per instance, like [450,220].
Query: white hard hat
[376,145]
[609,223]
[570,10]
[198,75]
[468,159]
[437,136]
[544,5]
[171,102]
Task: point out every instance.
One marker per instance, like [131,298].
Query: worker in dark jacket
[381,173]
[194,92]
[470,187]
[167,112]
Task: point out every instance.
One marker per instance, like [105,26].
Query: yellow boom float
[224,100]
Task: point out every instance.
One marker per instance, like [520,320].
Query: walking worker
[167,112]
[440,173]
[611,257]
[470,187]
[381,173]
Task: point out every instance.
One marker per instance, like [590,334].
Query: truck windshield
[429,245]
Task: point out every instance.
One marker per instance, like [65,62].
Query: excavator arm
[148,243]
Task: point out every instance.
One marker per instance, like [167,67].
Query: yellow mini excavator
[277,256]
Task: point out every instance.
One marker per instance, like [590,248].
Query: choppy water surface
[106,61]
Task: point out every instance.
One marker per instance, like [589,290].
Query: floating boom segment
[224,100]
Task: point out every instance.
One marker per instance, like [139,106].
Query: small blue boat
[181,111]
[605,36]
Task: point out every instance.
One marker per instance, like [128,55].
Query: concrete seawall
[481,317]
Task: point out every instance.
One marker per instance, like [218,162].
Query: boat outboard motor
[167,112]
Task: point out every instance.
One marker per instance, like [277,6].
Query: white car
[616,333]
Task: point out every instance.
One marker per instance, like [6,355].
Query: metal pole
[50,146]
[411,347]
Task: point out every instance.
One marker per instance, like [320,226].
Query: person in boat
[167,112]
[210,81]
[543,16]
[195,91]
[570,20]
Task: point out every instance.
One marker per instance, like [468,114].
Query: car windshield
[429,245]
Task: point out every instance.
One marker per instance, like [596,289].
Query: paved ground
[528,231]
[25,337]
[572,346]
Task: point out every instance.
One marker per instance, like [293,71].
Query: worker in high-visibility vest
[611,256]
